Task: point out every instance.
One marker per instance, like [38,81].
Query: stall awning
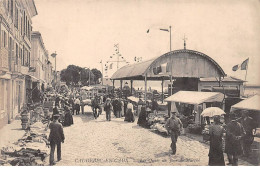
[87,87]
[194,97]
[33,78]
[252,103]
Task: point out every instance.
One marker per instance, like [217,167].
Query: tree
[71,74]
[75,74]
[97,75]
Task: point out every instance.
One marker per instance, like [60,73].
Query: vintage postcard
[129,83]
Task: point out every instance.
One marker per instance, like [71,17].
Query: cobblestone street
[99,142]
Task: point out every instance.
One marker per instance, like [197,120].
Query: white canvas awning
[252,103]
[87,87]
[194,97]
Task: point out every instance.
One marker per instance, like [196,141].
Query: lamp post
[102,71]
[55,76]
[88,75]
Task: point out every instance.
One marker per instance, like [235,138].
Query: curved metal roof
[137,71]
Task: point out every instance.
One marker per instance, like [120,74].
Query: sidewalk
[11,133]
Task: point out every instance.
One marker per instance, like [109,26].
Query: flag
[235,68]
[168,67]
[164,30]
[244,64]
[155,71]
[111,66]
[159,69]
[163,67]
[148,31]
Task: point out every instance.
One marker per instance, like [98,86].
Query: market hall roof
[178,63]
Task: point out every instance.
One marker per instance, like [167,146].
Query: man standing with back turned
[56,137]
[174,126]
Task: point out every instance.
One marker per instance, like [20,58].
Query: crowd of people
[239,137]
[238,132]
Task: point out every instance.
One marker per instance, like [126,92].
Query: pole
[113,86]
[145,88]
[162,91]
[121,88]
[55,74]
[246,74]
[80,78]
[89,78]
[102,71]
[170,38]
[246,68]
[131,87]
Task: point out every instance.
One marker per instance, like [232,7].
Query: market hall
[183,68]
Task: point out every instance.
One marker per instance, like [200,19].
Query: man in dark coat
[95,106]
[235,132]
[55,138]
[249,125]
[155,106]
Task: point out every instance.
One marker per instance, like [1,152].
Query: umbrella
[212,111]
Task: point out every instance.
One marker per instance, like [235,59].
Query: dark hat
[232,116]
[244,112]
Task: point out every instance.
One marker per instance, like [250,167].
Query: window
[4,39]
[2,95]
[16,18]
[16,53]
[23,56]
[12,9]
[10,47]
[29,59]
[21,28]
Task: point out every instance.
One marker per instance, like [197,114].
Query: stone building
[15,53]
[40,63]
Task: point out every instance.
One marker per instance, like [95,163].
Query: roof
[252,103]
[225,79]
[135,71]
[194,97]
[183,63]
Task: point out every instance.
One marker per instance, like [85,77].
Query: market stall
[252,104]
[196,102]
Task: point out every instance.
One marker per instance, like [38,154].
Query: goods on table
[30,150]
[157,123]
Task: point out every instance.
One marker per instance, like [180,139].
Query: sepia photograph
[129,83]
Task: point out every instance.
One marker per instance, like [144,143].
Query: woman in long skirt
[129,116]
[142,118]
[216,157]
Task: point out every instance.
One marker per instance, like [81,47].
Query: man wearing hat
[174,126]
[235,132]
[55,138]
[249,125]
[108,108]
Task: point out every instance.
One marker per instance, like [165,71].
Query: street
[99,142]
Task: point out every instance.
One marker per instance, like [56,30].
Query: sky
[83,32]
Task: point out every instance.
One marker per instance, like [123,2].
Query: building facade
[15,53]
[40,62]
